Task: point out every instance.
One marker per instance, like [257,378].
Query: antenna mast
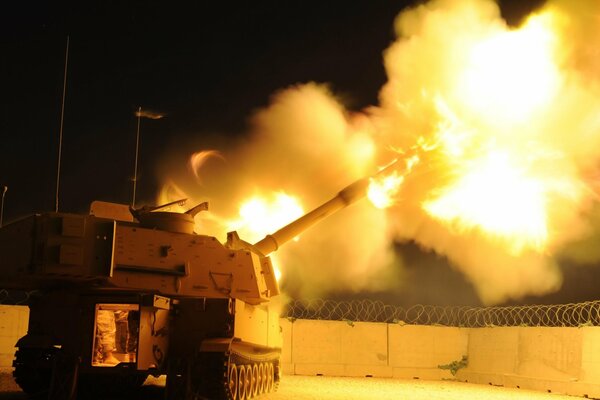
[4,190]
[137,147]
[62,117]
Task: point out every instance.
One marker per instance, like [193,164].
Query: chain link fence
[561,315]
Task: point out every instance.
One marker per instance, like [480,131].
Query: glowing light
[276,268]
[383,188]
[382,191]
[511,73]
[261,215]
[496,196]
[505,122]
[488,181]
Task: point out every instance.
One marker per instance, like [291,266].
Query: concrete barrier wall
[590,354]
[13,325]
[562,360]
[494,352]
[417,351]
[338,348]
[559,360]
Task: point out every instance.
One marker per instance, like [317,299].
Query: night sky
[208,66]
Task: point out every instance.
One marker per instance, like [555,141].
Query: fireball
[486,146]
[260,215]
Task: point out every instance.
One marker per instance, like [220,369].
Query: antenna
[62,118]
[137,147]
[145,114]
[4,190]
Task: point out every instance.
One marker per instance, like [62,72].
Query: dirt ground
[331,388]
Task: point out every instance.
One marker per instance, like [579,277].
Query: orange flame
[382,190]
[507,125]
[496,195]
[494,184]
[511,74]
[261,215]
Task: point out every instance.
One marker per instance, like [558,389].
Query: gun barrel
[347,196]
[343,199]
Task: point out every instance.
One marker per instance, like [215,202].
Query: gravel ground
[330,388]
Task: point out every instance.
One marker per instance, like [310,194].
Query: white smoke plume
[426,63]
[306,144]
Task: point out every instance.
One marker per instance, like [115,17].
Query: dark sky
[208,65]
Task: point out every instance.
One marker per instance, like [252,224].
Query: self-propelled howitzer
[121,294]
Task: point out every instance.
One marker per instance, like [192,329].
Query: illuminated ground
[328,388]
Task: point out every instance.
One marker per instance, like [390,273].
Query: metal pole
[137,148]
[62,117]
[4,190]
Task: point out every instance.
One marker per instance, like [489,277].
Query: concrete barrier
[550,353]
[561,360]
[13,325]
[590,354]
[417,351]
[492,353]
[337,348]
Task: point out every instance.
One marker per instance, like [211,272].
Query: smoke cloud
[306,144]
[425,65]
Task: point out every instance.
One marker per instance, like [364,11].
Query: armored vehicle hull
[119,299]
[116,301]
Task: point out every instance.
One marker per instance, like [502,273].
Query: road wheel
[261,378]
[270,377]
[255,379]
[233,381]
[248,383]
[252,382]
[241,382]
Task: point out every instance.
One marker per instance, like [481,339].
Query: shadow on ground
[146,392]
